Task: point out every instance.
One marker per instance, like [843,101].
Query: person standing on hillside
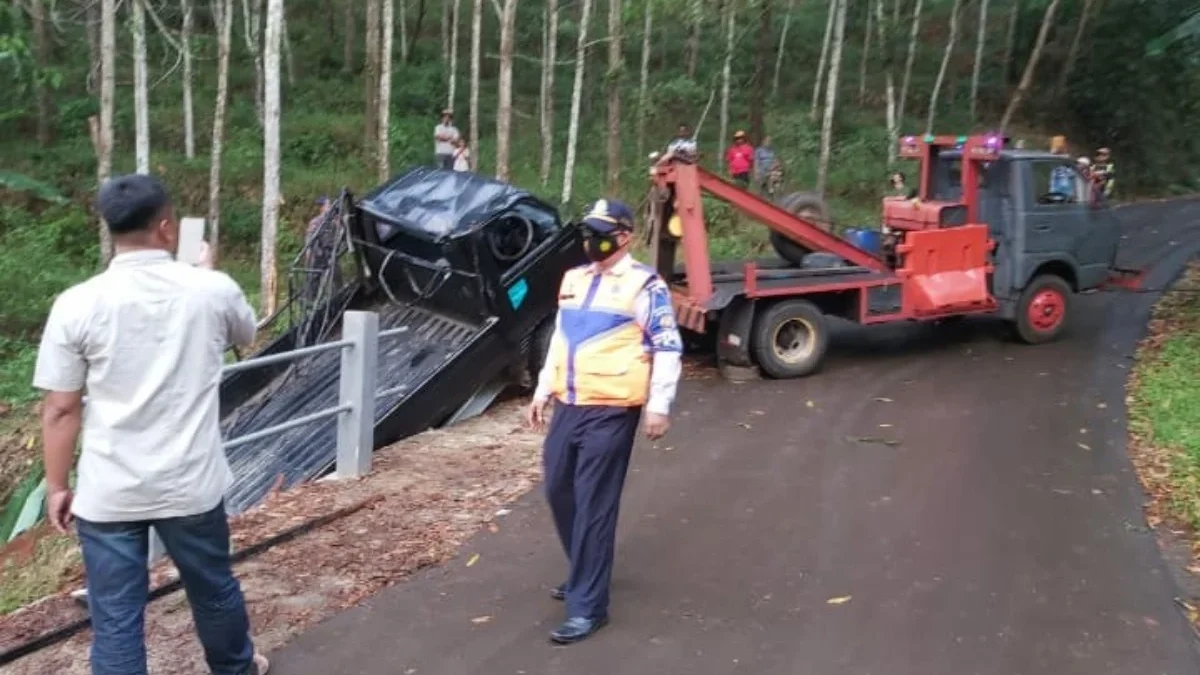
[766,166]
[444,136]
[683,146]
[1104,172]
[462,155]
[614,355]
[739,159]
[145,338]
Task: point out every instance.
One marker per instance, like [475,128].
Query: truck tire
[806,205]
[790,338]
[1043,309]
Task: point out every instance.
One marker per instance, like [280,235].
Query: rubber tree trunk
[349,21]
[252,32]
[913,36]
[887,40]
[452,84]
[141,88]
[189,118]
[104,131]
[1076,41]
[787,22]
[1031,67]
[508,29]
[758,88]
[1010,40]
[405,43]
[93,34]
[644,79]
[955,11]
[695,10]
[980,40]
[224,19]
[831,92]
[271,159]
[823,64]
[41,55]
[476,56]
[371,80]
[288,62]
[549,56]
[585,14]
[383,148]
[729,20]
[613,86]
[866,54]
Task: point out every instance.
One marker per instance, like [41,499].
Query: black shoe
[576,629]
[559,592]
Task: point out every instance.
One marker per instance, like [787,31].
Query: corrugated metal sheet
[311,384]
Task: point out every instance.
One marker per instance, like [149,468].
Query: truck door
[1055,215]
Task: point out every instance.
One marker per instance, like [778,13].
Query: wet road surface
[966,501]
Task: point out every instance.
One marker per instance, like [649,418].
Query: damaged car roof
[439,203]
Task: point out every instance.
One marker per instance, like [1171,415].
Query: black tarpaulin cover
[438,204]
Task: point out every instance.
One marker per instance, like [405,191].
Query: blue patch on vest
[517,293]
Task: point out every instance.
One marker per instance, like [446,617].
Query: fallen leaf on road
[474,559]
[885,426]
[1102,406]
[1083,430]
[503,512]
[757,412]
[493,528]
[481,619]
[809,404]
[838,601]
[1085,446]
[883,399]
[743,425]
[873,439]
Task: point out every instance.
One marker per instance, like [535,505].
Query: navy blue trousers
[585,459]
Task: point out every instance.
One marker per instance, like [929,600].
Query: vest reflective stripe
[600,352]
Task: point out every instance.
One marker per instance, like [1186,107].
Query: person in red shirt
[739,159]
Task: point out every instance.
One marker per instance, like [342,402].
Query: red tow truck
[990,230]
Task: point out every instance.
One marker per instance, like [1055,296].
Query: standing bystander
[739,159]
[145,339]
[444,136]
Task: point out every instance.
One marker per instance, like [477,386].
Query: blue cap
[608,215]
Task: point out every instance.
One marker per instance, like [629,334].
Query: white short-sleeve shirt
[145,339]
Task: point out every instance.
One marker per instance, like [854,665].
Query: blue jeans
[118,585]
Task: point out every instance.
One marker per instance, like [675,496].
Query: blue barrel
[867,240]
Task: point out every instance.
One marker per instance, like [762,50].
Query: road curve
[965,503]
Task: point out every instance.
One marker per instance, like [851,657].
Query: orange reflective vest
[600,354]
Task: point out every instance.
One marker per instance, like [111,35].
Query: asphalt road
[998,531]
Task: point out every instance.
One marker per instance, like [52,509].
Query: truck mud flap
[427,370]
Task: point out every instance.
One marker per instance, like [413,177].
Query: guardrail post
[356,428]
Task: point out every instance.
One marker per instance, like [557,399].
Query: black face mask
[600,247]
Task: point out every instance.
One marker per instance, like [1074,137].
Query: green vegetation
[1166,400]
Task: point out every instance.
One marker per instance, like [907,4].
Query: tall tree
[383,151]
[980,39]
[104,127]
[371,81]
[1031,66]
[141,89]
[1073,53]
[185,44]
[476,57]
[41,55]
[404,42]
[730,19]
[1010,39]
[887,49]
[758,88]
[831,92]
[252,33]
[271,159]
[644,77]
[453,50]
[585,14]
[695,11]
[831,15]
[941,76]
[223,15]
[787,21]
[913,37]
[613,85]
[546,110]
[349,21]
[508,27]
[865,59]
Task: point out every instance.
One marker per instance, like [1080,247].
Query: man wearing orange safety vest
[615,354]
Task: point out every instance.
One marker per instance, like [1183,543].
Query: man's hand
[535,415]
[58,509]
[655,425]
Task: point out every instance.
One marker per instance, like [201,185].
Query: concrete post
[356,428]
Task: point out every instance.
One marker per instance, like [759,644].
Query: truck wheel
[808,206]
[1043,309]
[790,338]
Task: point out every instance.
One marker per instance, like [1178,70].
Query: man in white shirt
[145,339]
[615,354]
[444,136]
